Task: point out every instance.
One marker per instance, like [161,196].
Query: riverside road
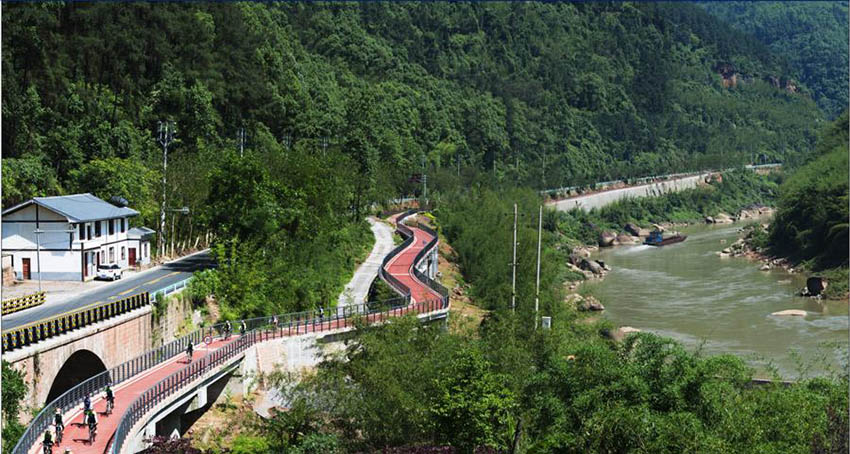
[149,281]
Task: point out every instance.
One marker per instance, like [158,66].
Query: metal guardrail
[23,302]
[258,330]
[69,321]
[175,287]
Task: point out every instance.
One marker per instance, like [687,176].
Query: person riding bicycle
[242,328]
[227,329]
[57,421]
[110,399]
[274,321]
[91,420]
[321,313]
[189,350]
[48,441]
[86,406]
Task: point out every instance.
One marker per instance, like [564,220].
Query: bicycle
[48,447]
[60,429]
[208,340]
[110,405]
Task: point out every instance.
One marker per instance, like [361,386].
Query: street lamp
[37,233]
[184,211]
[324,145]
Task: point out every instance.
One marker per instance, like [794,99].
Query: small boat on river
[656,238]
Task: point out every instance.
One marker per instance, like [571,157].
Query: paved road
[148,281]
[600,199]
[357,289]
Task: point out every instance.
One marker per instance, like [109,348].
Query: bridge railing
[94,385]
[258,330]
[396,284]
[43,329]
[23,302]
[434,285]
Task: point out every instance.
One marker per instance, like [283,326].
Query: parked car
[110,272]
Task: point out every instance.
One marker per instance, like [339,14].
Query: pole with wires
[539,242]
[513,263]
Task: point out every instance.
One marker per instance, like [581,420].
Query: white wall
[55,265]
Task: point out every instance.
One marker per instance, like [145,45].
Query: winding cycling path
[423,299]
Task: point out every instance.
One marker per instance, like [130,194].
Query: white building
[79,232]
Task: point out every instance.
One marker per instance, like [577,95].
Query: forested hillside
[812,36]
[539,94]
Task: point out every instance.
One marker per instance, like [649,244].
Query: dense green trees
[538,94]
[811,36]
[811,224]
[14,391]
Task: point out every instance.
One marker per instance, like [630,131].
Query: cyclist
[110,399]
[48,442]
[189,350]
[274,321]
[321,314]
[60,426]
[91,420]
[227,329]
[86,407]
[242,328]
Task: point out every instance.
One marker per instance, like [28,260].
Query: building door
[131,257]
[98,259]
[26,264]
[85,265]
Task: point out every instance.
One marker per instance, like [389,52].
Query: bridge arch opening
[79,367]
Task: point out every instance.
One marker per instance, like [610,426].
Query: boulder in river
[709,220]
[633,229]
[765,267]
[590,304]
[791,312]
[625,238]
[723,218]
[607,238]
[815,285]
[592,265]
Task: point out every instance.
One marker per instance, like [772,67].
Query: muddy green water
[723,305]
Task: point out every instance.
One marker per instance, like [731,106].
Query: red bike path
[76,435]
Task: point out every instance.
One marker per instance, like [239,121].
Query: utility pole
[166,137]
[539,242]
[240,136]
[513,263]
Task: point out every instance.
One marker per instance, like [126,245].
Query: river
[723,305]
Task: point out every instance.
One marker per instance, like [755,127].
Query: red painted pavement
[76,433]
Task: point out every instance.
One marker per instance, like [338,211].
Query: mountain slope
[811,35]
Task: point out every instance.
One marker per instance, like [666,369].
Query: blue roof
[78,207]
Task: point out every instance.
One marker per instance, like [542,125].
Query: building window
[97,229]
[111,255]
[82,231]
[123,225]
[122,252]
[111,223]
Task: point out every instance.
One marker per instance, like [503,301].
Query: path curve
[141,393]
